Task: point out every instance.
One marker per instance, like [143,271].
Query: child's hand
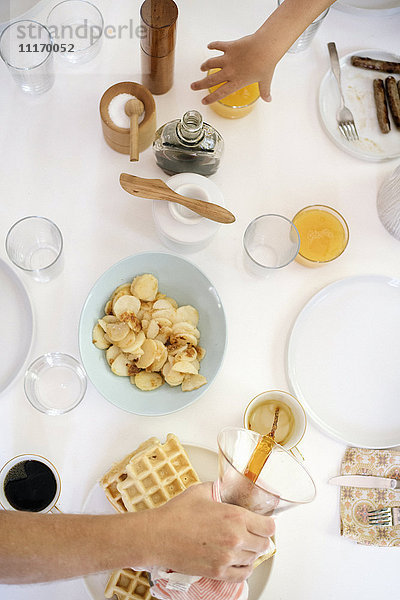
[243,61]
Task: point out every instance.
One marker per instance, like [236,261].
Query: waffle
[117,473]
[127,584]
[155,474]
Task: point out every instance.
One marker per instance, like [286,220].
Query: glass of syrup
[31,483]
[280,481]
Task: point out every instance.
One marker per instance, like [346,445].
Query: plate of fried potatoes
[152,333]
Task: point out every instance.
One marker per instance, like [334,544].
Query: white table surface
[54,162]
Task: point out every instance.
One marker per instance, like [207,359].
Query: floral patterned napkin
[356,502]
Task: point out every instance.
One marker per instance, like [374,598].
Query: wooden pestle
[134,108]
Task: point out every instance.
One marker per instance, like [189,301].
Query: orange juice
[238,104]
[323,234]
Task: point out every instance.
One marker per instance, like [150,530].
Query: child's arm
[254,57]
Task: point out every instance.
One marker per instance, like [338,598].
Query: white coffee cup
[51,507]
[299,415]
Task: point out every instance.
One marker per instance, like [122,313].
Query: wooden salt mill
[134,108]
[158,23]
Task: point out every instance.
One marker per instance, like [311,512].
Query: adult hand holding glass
[191,534]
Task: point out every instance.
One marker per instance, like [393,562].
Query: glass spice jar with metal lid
[188,145]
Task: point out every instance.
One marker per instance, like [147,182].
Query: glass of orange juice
[324,235]
[236,105]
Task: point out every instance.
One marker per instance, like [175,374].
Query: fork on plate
[344,116]
[384,516]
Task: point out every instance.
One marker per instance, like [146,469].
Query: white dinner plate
[343,360]
[373,8]
[357,85]
[16,328]
[205,464]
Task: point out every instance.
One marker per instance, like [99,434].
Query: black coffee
[30,485]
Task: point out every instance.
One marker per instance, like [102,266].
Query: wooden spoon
[155,189]
[134,109]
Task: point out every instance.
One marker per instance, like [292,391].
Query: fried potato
[149,338]
[148,381]
[117,331]
[149,348]
[98,337]
[193,382]
[153,329]
[187,314]
[112,353]
[160,357]
[145,287]
[120,365]
[184,366]
[126,308]
[136,344]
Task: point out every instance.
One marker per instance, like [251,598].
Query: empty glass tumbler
[305,39]
[27,49]
[77,29]
[35,244]
[270,242]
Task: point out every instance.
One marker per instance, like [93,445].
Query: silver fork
[384,516]
[344,116]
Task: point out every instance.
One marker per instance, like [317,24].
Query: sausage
[393,98]
[375,65]
[381,106]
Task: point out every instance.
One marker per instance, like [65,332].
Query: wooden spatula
[155,189]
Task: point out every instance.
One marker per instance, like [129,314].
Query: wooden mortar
[118,138]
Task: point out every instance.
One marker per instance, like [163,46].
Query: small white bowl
[179,228]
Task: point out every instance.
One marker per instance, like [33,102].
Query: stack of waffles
[146,478]
[150,476]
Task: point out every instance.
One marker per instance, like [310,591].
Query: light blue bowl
[179,279]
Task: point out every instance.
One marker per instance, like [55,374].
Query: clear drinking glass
[270,242]
[283,482]
[55,383]
[35,244]
[27,49]
[305,39]
[77,30]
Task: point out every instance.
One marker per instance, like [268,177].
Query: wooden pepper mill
[158,21]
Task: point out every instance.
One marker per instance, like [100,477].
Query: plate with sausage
[375,106]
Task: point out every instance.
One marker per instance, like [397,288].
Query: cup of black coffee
[29,483]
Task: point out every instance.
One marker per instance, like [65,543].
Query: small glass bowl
[302,257]
[55,383]
[225,108]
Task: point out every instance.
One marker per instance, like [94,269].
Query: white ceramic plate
[179,279]
[343,360]
[357,86]
[373,8]
[205,464]
[17,328]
